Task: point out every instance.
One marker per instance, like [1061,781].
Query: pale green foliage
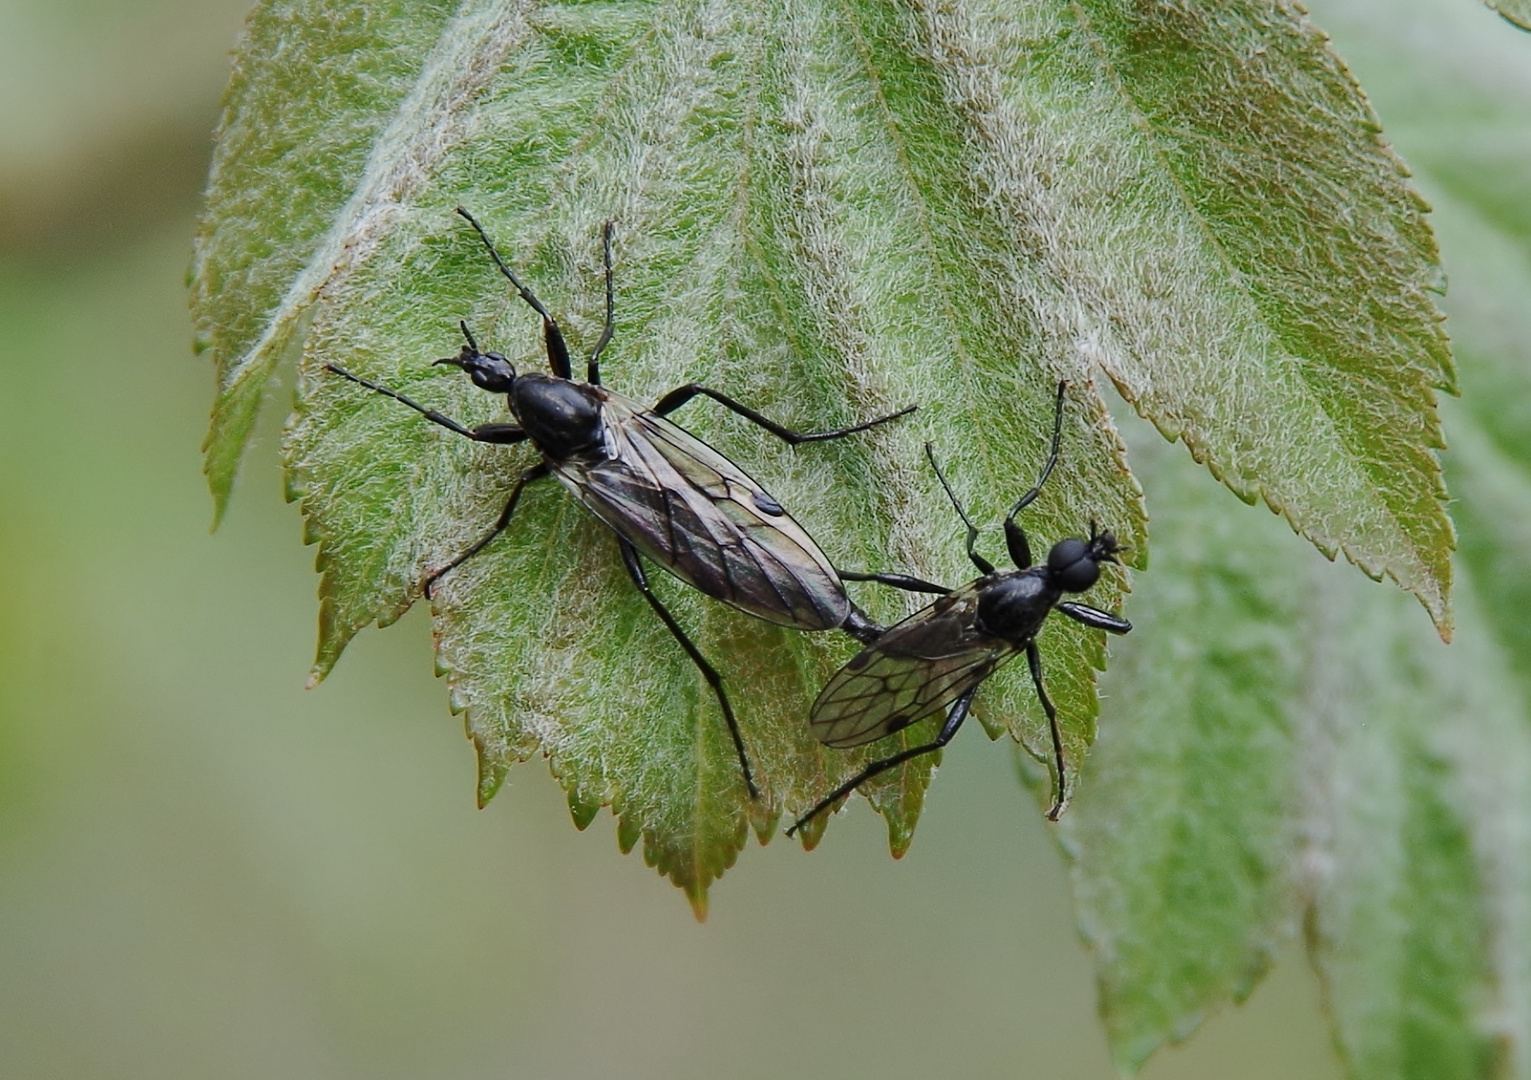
[1181,840]
[1291,749]
[1295,749]
[1516,11]
[828,210]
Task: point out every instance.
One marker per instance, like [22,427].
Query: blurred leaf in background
[1321,760]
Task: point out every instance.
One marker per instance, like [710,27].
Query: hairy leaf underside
[826,210]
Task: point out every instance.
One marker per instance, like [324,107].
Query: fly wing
[705,520]
[914,670]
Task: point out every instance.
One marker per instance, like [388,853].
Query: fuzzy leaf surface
[1292,748]
[1181,844]
[827,210]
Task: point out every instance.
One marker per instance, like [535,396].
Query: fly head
[489,371]
[1075,564]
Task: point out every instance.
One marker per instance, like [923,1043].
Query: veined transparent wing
[914,670]
[701,517]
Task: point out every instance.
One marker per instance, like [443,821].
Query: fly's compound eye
[492,372]
[1073,565]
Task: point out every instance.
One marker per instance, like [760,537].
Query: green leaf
[1286,746]
[1291,383]
[1516,12]
[330,116]
[1180,843]
[826,209]
[1418,764]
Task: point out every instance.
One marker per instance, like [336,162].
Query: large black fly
[663,492]
[940,654]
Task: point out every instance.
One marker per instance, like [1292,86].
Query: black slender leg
[858,624]
[1015,541]
[714,680]
[984,565]
[959,712]
[1015,536]
[1052,455]
[504,434]
[1034,658]
[897,581]
[682,394]
[1094,617]
[558,350]
[536,472]
[593,368]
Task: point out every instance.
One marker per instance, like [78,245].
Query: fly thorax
[561,417]
[1014,604]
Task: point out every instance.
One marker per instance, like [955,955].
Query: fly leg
[498,433]
[985,567]
[536,472]
[714,680]
[1093,617]
[682,394]
[897,581]
[558,351]
[1034,658]
[1015,536]
[593,367]
[858,624]
[954,720]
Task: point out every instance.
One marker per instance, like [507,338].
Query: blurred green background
[207,871]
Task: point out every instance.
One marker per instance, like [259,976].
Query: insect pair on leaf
[668,495]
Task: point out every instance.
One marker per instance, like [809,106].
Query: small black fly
[663,492]
[940,654]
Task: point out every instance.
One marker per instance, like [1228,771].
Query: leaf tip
[1444,619]
[336,632]
[492,770]
[228,433]
[581,809]
[900,834]
[813,832]
[220,510]
[764,817]
[629,831]
[324,663]
[220,482]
